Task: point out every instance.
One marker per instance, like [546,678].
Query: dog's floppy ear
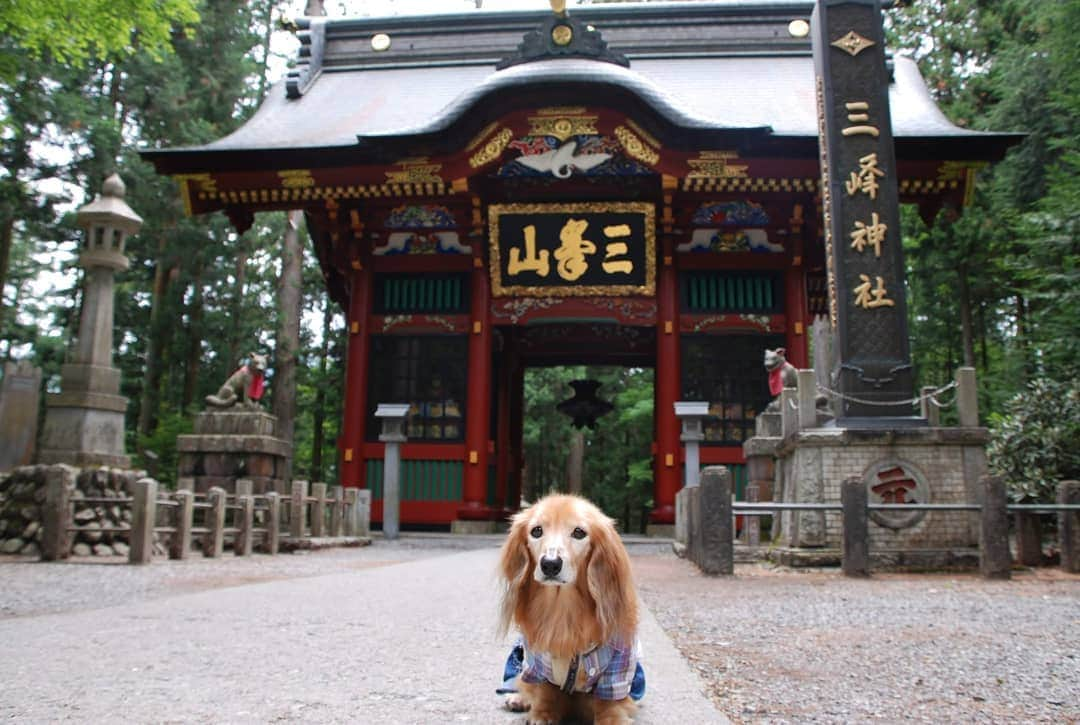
[514,569]
[611,582]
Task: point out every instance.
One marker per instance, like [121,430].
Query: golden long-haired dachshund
[568,587]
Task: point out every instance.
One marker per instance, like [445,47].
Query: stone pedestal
[19,396]
[84,423]
[227,445]
[904,465]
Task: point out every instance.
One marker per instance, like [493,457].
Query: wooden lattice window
[428,373]
[727,372]
[747,292]
[397,294]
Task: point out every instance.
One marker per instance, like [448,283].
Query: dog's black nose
[550,565]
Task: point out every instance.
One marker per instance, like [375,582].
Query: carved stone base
[899,465]
[228,445]
[84,429]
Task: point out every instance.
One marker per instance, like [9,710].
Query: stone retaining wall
[22,498]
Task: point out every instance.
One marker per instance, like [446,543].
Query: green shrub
[1036,442]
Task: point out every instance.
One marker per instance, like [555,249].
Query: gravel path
[812,646]
[394,633]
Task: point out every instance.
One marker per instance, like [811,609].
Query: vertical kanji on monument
[867,307]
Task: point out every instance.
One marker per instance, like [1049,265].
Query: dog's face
[565,541]
[558,535]
[257,362]
[775,358]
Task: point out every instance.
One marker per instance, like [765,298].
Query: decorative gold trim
[852,43]
[492,150]
[207,188]
[481,136]
[415,171]
[296,179]
[498,289]
[635,147]
[716,165]
[645,135]
[563,126]
[756,185]
[562,35]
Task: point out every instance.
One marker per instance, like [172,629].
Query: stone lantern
[84,422]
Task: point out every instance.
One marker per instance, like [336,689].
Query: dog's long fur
[597,603]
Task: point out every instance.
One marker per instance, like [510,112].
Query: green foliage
[157,451]
[75,31]
[618,473]
[1035,443]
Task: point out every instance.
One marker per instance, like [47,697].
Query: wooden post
[183,514]
[928,408]
[215,538]
[55,539]
[1069,526]
[318,510]
[362,514]
[354,417]
[1028,538]
[995,561]
[717,539]
[143,516]
[350,511]
[967,397]
[478,391]
[298,510]
[245,532]
[806,392]
[666,471]
[855,559]
[337,511]
[273,523]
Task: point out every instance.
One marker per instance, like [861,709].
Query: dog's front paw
[514,702]
[535,721]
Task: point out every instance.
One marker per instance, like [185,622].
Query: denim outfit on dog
[612,670]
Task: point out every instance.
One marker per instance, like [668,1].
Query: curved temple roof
[700,68]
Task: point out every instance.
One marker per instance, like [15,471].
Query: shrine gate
[493,190]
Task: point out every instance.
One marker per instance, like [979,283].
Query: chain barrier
[932,396]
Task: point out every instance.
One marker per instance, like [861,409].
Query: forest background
[85,85]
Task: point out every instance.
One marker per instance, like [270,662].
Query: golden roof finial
[558,7]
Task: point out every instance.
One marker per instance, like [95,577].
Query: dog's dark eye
[536,532]
[579,533]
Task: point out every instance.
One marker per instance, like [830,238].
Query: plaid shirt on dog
[612,671]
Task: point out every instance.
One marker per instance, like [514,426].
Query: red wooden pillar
[795,303]
[356,379]
[517,431]
[668,380]
[478,411]
[795,312]
[503,439]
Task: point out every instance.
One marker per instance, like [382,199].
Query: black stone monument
[867,307]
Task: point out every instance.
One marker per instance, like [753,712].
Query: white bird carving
[560,162]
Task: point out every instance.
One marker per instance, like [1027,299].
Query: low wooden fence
[268,521]
[709,512]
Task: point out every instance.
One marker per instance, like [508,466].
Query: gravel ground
[776,645]
[770,645]
[396,633]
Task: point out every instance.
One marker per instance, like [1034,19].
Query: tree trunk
[7,236]
[318,415]
[967,335]
[236,306]
[288,333]
[151,392]
[575,462]
[195,334]
[1021,336]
